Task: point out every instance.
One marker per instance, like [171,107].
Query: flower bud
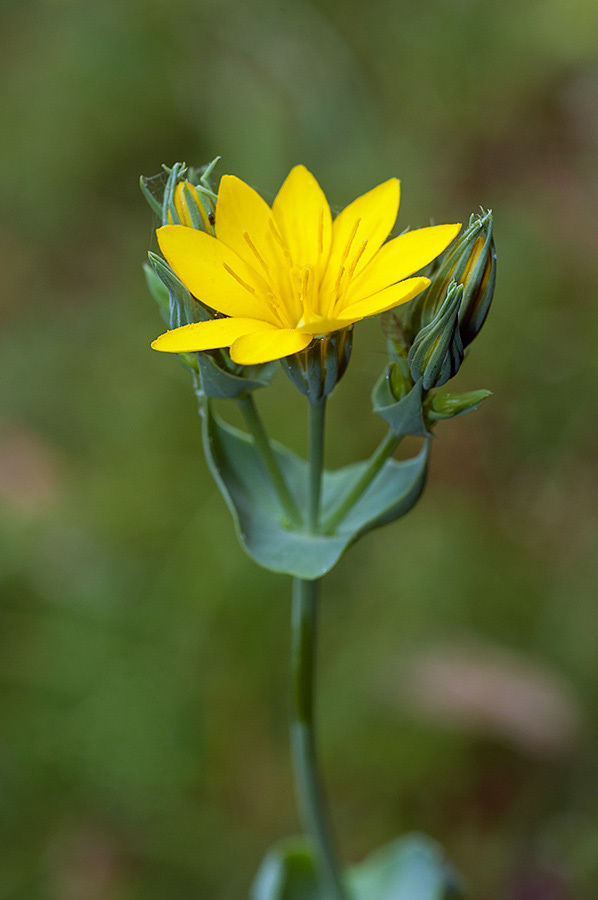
[317,369]
[470,262]
[399,382]
[189,208]
[437,351]
[448,405]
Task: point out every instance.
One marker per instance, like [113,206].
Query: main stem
[317,412]
[303,744]
[303,641]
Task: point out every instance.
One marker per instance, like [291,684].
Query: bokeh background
[143,663]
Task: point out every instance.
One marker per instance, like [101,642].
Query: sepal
[218,376]
[183,308]
[437,350]
[316,370]
[158,290]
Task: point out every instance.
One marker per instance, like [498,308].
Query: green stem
[303,744]
[262,441]
[384,449]
[317,410]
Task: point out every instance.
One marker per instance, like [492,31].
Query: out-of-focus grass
[143,746]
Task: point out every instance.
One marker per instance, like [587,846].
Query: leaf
[262,526]
[412,867]
[404,416]
[287,873]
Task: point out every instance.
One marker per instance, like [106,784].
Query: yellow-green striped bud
[470,262]
[190,209]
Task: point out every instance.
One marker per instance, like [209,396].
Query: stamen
[337,285]
[350,241]
[305,291]
[238,278]
[255,252]
[278,309]
[358,256]
[281,242]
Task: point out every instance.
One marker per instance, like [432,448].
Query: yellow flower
[284,275]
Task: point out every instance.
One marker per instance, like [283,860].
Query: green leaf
[404,416]
[287,873]
[410,868]
[262,526]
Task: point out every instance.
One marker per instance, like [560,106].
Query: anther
[350,241]
[255,252]
[244,284]
[281,242]
[358,256]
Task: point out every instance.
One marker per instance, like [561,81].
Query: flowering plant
[242,286]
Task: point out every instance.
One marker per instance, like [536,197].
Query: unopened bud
[448,405]
[399,382]
[471,262]
[189,207]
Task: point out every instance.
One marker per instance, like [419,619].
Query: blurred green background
[143,663]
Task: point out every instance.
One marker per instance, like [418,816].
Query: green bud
[471,262]
[399,382]
[316,370]
[437,351]
[448,405]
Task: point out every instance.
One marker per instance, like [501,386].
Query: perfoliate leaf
[411,868]
[405,416]
[287,873]
[262,526]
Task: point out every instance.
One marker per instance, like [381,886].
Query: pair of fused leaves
[261,523]
[410,868]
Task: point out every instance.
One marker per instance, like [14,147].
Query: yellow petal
[361,229]
[382,301]
[401,257]
[244,223]
[321,325]
[207,335]
[303,217]
[214,273]
[264,346]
